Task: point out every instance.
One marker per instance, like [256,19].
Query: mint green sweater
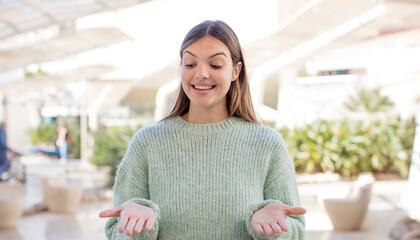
[205,181]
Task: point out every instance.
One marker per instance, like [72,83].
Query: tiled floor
[83,225]
[384,210]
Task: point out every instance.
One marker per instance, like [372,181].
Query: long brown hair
[238,103]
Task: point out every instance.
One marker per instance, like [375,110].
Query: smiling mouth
[203,87]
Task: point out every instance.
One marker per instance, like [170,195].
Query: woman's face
[207,72]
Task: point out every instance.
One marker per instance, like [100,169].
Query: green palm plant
[368,100]
[110,146]
[349,147]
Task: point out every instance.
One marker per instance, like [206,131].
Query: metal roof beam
[9,24]
[101,2]
[38,8]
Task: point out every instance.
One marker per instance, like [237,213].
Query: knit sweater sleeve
[280,187]
[131,185]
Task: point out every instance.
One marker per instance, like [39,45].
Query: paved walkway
[85,224]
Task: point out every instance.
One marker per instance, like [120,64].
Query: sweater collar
[222,126]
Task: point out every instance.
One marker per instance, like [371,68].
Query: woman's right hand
[132,216]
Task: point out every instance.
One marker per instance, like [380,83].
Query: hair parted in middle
[238,103]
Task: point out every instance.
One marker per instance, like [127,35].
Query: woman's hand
[272,218]
[133,217]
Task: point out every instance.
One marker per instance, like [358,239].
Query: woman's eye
[215,66]
[189,65]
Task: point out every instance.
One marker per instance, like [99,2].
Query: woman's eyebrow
[214,55]
[219,53]
[186,51]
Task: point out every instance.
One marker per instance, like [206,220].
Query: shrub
[350,147]
[110,146]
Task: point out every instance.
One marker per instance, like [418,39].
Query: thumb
[295,211]
[115,212]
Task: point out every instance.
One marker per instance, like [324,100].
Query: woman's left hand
[272,218]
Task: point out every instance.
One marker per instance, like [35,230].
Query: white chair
[348,212]
[60,196]
[12,200]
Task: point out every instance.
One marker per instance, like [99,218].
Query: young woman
[208,170]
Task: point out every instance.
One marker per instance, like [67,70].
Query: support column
[83,132]
[287,84]
[17,125]
[162,98]
[92,109]
[411,198]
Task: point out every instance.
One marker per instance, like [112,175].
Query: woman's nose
[202,72]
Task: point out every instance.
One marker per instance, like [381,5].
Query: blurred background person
[62,142]
[4,162]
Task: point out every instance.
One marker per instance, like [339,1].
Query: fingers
[283,224]
[130,226]
[110,213]
[149,224]
[122,223]
[276,228]
[295,211]
[257,228]
[132,218]
[139,226]
[134,225]
[268,230]
[272,218]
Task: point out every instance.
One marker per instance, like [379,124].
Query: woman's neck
[203,116]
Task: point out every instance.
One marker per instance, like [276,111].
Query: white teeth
[203,87]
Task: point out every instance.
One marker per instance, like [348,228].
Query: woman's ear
[236,71]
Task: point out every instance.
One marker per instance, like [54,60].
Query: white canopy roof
[19,16]
[60,46]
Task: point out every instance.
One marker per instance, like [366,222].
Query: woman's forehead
[207,45]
